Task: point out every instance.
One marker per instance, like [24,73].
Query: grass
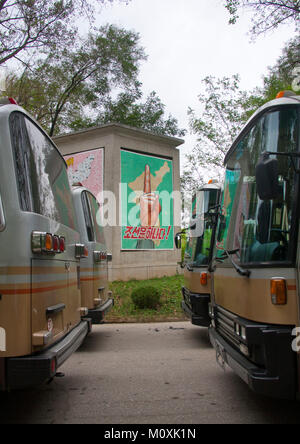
[168,310]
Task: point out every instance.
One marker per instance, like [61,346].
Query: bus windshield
[260,231]
[198,249]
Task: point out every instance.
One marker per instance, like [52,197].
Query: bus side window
[87,217]
[41,172]
[96,218]
[21,148]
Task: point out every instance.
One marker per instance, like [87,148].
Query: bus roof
[8,107]
[286,100]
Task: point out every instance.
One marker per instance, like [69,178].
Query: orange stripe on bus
[36,270]
[292,287]
[90,279]
[36,290]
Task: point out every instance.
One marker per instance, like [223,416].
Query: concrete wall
[112,137]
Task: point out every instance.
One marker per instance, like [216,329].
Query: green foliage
[280,77]
[145,297]
[71,89]
[224,109]
[232,6]
[69,82]
[41,25]
[148,115]
[169,289]
[183,243]
[267,14]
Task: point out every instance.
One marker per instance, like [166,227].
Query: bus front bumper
[278,380]
[195,307]
[36,369]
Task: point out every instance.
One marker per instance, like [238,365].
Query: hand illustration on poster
[147,194]
[149,203]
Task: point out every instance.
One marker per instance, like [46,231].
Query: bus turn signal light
[278,291]
[55,240]
[47,243]
[62,244]
[81,251]
[100,256]
[203,279]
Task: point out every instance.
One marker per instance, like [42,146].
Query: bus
[198,254]
[94,268]
[40,300]
[255,299]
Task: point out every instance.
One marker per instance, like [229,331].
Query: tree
[149,115]
[282,75]
[27,25]
[71,83]
[267,14]
[224,109]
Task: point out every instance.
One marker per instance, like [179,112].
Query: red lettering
[162,233]
[142,234]
[127,234]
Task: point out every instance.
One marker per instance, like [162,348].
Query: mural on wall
[87,168]
[146,202]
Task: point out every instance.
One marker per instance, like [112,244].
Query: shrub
[145,297]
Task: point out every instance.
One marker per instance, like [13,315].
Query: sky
[187,40]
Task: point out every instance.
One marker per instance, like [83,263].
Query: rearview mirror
[178,240]
[266,174]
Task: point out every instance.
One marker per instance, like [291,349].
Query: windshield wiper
[240,270]
[189,266]
[227,255]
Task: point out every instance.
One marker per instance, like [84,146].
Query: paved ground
[145,374]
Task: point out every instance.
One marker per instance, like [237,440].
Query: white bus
[255,302]
[40,300]
[198,254]
[95,294]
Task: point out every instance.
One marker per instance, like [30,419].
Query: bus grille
[225,325]
[186,295]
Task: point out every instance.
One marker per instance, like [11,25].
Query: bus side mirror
[178,240]
[213,214]
[266,174]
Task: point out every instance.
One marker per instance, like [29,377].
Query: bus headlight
[244,349]
[240,331]
[243,333]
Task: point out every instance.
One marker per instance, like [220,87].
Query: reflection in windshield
[200,238]
[198,248]
[42,150]
[260,230]
[95,212]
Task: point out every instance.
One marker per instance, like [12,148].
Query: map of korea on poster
[146,202]
[87,168]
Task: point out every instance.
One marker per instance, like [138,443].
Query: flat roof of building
[119,128]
